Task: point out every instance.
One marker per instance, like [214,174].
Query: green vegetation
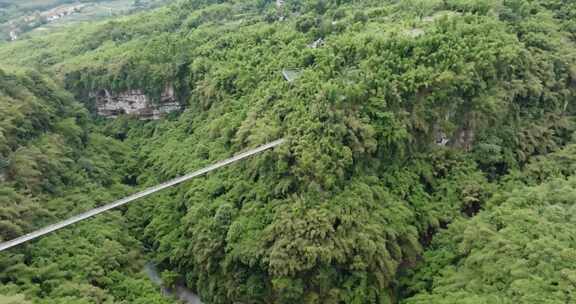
[430,154]
[57,165]
[519,250]
[10,10]
[23,16]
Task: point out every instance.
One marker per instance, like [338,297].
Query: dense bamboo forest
[430,154]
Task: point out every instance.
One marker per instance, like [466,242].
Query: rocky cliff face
[135,103]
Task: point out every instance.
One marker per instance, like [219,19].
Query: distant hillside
[20,17]
[13,9]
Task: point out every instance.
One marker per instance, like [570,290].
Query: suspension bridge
[88,214]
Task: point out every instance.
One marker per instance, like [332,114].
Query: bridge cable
[128,199]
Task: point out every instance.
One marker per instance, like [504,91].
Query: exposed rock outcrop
[464,138]
[13,35]
[136,103]
[179,291]
[291,74]
[317,43]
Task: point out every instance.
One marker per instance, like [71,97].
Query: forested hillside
[430,154]
[55,164]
